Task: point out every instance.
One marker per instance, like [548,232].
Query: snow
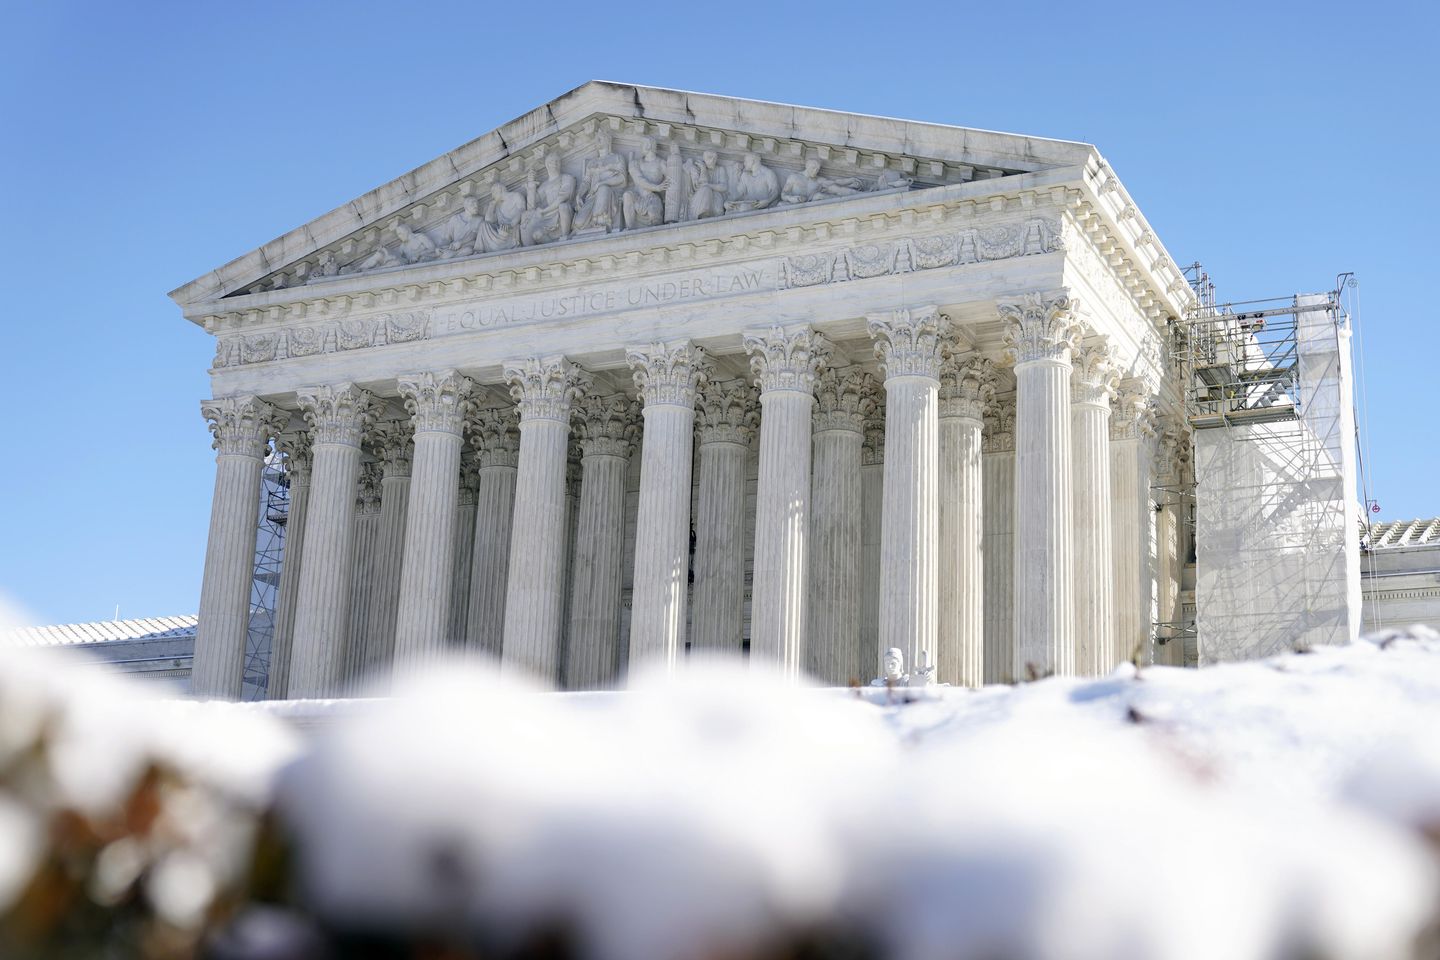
[1272,809]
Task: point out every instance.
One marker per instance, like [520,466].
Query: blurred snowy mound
[1287,808]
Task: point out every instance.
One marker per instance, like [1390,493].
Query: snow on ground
[1275,809]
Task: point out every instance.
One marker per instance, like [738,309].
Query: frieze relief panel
[587,183]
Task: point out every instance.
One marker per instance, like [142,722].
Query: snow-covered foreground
[1284,808]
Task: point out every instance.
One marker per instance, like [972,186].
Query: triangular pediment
[611,158]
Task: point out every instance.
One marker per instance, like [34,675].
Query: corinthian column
[495,435]
[1040,334]
[363,573]
[1092,385]
[338,415]
[1132,445]
[605,428]
[908,344]
[667,376]
[296,448]
[998,516]
[967,386]
[437,403]
[464,545]
[786,363]
[544,389]
[872,503]
[394,446]
[845,398]
[242,428]
[725,420]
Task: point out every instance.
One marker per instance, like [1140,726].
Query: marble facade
[644,372]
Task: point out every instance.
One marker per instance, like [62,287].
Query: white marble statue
[802,187]
[756,188]
[890,180]
[599,208]
[644,202]
[551,212]
[413,247]
[460,231]
[893,664]
[327,266]
[709,186]
[500,229]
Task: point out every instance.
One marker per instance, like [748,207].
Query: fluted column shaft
[786,363]
[1093,381]
[668,376]
[437,403]
[1131,450]
[296,448]
[908,343]
[1041,335]
[393,443]
[967,385]
[495,435]
[534,597]
[998,467]
[464,551]
[872,502]
[337,415]
[363,573]
[242,427]
[719,613]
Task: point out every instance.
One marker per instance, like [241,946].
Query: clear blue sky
[148,143]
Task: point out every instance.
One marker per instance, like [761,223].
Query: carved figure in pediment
[500,230]
[756,188]
[709,186]
[413,247]
[644,202]
[550,214]
[890,180]
[809,185]
[599,207]
[326,267]
[461,231]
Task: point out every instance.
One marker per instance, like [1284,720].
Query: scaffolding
[274,508]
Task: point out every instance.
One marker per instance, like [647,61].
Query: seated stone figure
[757,187]
[461,230]
[598,207]
[709,184]
[809,185]
[550,214]
[894,665]
[644,202]
[500,230]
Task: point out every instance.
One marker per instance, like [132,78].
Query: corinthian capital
[786,359]
[668,373]
[393,443]
[1132,412]
[298,457]
[339,413]
[1094,378]
[908,341]
[495,436]
[999,436]
[967,386]
[606,426]
[545,387]
[242,426]
[844,399]
[727,413]
[437,402]
[1040,328]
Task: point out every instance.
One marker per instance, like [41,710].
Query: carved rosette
[844,399]
[727,413]
[1093,378]
[393,443]
[786,359]
[908,342]
[437,402]
[367,493]
[298,457]
[242,426]
[669,373]
[872,447]
[338,414]
[967,386]
[1040,328]
[495,437]
[1132,412]
[545,387]
[606,426]
[999,436]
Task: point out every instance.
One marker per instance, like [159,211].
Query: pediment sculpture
[608,191]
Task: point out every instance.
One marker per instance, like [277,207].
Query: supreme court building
[645,371]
